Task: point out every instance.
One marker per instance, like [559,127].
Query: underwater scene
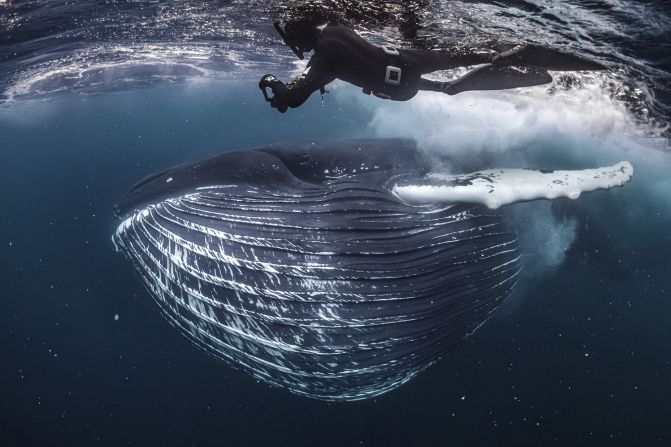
[335,223]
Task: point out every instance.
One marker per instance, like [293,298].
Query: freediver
[394,73]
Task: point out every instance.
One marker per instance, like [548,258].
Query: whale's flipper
[496,187]
[497,77]
[546,59]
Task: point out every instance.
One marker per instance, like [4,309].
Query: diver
[394,73]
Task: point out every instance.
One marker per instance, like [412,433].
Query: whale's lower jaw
[340,292]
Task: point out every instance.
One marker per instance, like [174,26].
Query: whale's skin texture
[298,265]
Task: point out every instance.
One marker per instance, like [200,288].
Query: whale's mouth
[249,167]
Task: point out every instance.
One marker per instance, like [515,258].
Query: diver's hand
[268,81]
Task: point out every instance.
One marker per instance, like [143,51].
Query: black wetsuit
[339,53]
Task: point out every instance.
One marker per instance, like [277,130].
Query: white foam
[496,187]
[497,123]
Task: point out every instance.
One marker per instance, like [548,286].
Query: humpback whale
[304,266]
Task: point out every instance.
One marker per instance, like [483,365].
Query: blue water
[579,355]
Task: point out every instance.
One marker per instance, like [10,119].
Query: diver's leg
[508,66]
[545,58]
[434,86]
[490,77]
[427,61]
[449,87]
[494,77]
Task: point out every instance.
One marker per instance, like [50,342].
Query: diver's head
[300,36]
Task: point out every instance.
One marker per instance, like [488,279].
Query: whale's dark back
[299,266]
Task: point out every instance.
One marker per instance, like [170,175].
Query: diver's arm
[299,90]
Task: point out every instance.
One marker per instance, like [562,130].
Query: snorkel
[278,26]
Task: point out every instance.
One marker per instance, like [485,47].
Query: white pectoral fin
[496,187]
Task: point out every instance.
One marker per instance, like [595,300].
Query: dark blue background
[579,356]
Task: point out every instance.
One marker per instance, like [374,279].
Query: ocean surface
[96,95]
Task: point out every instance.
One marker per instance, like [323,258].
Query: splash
[474,123]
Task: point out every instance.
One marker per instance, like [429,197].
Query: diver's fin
[496,77]
[547,59]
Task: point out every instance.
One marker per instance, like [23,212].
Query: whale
[323,268]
